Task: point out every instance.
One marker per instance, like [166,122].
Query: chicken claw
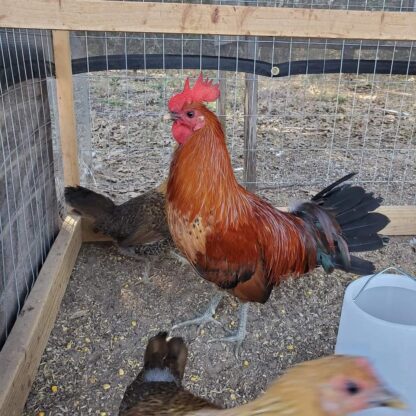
[206,317]
[182,260]
[131,253]
[241,333]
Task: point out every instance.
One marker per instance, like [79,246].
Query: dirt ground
[109,311]
[310,130]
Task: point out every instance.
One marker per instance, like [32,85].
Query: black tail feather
[343,212]
[368,204]
[357,266]
[364,226]
[88,203]
[343,201]
[326,191]
[365,243]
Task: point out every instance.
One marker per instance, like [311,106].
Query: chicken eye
[352,387]
[190,114]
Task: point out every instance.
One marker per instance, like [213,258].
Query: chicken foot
[131,253]
[241,333]
[206,317]
[182,260]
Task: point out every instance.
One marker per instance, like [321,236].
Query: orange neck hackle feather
[202,185]
[201,180]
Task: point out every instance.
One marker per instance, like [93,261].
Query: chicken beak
[385,398]
[171,116]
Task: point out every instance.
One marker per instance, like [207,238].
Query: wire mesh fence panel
[318,109]
[28,212]
[374,5]
[323,108]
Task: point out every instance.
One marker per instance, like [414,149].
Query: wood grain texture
[403,222]
[21,354]
[206,19]
[66,110]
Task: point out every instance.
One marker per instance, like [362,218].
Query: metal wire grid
[310,128]
[28,216]
[366,123]
[374,5]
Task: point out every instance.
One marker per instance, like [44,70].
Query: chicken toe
[206,317]
[241,333]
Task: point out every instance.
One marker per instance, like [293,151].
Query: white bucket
[378,320]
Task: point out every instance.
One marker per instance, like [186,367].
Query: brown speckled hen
[138,226]
[158,390]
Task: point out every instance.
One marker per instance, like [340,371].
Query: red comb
[201,91]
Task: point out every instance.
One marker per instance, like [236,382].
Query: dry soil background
[310,130]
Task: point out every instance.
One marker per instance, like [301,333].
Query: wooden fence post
[66,111]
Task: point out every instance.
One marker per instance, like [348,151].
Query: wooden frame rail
[402,217]
[21,354]
[106,15]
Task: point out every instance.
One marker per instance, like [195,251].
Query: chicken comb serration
[203,90]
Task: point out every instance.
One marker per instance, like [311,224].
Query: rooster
[237,240]
[138,226]
[331,386]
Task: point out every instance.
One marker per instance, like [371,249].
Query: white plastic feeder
[378,320]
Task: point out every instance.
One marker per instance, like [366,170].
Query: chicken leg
[182,260]
[206,317]
[241,333]
[131,253]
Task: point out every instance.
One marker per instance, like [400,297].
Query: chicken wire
[332,107]
[373,5]
[28,209]
[322,109]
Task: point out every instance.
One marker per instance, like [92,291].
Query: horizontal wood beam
[403,222]
[105,15]
[21,354]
